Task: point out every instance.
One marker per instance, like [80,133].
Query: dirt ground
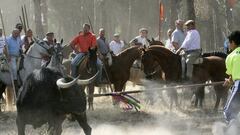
[152,119]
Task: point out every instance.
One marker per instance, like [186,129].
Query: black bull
[41,101]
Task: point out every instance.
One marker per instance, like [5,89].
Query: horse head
[57,56]
[40,47]
[156,42]
[108,58]
[88,67]
[92,61]
[149,62]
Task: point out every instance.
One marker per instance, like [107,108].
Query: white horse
[32,60]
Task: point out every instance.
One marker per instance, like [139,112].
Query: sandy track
[154,119]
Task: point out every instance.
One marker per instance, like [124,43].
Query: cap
[189,22]
[116,35]
[49,33]
[179,21]
[18,25]
[143,29]
[86,24]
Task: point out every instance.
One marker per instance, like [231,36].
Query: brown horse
[212,68]
[86,69]
[137,73]
[156,42]
[119,70]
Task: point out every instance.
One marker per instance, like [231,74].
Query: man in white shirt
[191,46]
[168,44]
[117,45]
[178,35]
[142,39]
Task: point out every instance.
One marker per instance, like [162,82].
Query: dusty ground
[154,119]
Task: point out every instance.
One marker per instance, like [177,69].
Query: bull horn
[61,83]
[87,81]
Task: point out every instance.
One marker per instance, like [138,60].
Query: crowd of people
[185,43]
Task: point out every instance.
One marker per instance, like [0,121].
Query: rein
[32,56]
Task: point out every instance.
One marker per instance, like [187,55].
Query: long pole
[90,24]
[26,16]
[24,21]
[9,66]
[104,67]
[160,23]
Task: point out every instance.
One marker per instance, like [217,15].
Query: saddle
[191,59]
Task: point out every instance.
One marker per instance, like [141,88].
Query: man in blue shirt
[14,45]
[102,42]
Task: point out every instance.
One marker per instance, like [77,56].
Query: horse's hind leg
[82,121]
[90,99]
[217,103]
[196,102]
[201,96]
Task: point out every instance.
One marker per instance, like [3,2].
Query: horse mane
[219,54]
[127,50]
[162,50]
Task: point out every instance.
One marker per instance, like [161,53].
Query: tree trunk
[44,11]
[129,30]
[38,18]
[190,10]
[173,13]
[219,39]
[229,18]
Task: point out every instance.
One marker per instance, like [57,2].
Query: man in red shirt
[80,45]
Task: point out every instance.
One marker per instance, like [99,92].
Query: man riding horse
[191,46]
[141,39]
[80,44]
[49,40]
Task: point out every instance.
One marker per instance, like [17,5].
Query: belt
[191,51]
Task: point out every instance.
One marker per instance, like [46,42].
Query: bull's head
[63,84]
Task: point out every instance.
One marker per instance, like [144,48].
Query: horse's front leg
[90,98]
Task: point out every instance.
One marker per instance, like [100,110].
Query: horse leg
[217,103]
[20,125]
[201,96]
[82,121]
[118,86]
[2,89]
[9,98]
[90,98]
[196,101]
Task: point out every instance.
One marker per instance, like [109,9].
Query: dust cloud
[152,119]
